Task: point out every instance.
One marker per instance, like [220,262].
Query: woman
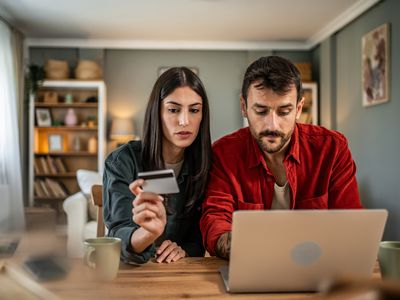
[176,135]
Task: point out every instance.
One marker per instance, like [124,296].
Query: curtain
[11,199]
[23,111]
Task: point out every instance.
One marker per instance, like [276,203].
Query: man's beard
[273,149]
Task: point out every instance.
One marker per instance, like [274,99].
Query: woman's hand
[169,252]
[148,209]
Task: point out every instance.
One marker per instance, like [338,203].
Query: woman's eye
[173,110]
[194,110]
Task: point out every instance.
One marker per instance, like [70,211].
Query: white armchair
[79,227]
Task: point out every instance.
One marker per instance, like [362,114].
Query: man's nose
[271,121]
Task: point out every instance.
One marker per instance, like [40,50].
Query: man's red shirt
[319,169]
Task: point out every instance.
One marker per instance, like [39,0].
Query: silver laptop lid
[294,250]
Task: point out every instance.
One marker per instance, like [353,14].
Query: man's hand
[169,252]
[148,209]
[223,246]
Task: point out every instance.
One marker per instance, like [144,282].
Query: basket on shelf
[56,69]
[88,69]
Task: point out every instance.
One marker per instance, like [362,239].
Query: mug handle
[89,257]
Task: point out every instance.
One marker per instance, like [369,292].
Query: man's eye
[284,113]
[173,110]
[261,112]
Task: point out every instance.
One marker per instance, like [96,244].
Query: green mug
[389,259]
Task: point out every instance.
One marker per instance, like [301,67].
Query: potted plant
[34,77]
[91,121]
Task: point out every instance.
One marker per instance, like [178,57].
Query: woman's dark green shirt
[121,168]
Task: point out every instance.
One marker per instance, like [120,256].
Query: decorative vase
[70,118]
[77,144]
[69,98]
[92,145]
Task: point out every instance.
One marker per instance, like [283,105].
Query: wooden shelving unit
[67,105]
[53,165]
[79,153]
[67,128]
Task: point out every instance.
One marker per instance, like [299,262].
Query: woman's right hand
[148,209]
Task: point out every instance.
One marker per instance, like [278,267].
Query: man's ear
[299,108]
[243,107]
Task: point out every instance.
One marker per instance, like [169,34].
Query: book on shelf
[60,165]
[51,165]
[55,188]
[63,188]
[36,166]
[46,190]
[50,185]
[44,165]
[38,190]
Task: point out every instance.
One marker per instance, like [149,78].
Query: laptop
[296,250]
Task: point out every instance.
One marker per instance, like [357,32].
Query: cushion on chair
[86,179]
[90,230]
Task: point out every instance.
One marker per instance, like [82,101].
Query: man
[274,163]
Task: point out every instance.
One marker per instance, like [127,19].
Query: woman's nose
[183,119]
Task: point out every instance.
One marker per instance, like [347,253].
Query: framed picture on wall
[375,66]
[161,70]
[43,117]
[56,142]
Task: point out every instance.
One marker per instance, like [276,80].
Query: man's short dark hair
[275,73]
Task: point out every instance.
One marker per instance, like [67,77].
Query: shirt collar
[294,148]
[256,156]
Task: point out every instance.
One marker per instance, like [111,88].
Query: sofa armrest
[75,206]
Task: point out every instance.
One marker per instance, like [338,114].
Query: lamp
[122,130]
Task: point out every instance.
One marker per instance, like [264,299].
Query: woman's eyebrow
[178,104]
[173,102]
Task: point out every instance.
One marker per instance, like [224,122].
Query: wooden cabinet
[309,114]
[60,144]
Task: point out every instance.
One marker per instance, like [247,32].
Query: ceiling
[194,24]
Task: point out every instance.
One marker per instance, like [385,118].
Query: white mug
[102,255]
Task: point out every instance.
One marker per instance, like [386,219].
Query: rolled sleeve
[218,206]
[120,170]
[127,253]
[343,187]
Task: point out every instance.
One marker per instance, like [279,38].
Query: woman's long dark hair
[198,154]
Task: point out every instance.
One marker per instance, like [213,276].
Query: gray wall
[326,54]
[373,132]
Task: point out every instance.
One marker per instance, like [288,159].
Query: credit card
[159,182]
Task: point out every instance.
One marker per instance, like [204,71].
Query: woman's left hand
[169,252]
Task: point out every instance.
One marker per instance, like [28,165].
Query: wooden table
[197,278]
